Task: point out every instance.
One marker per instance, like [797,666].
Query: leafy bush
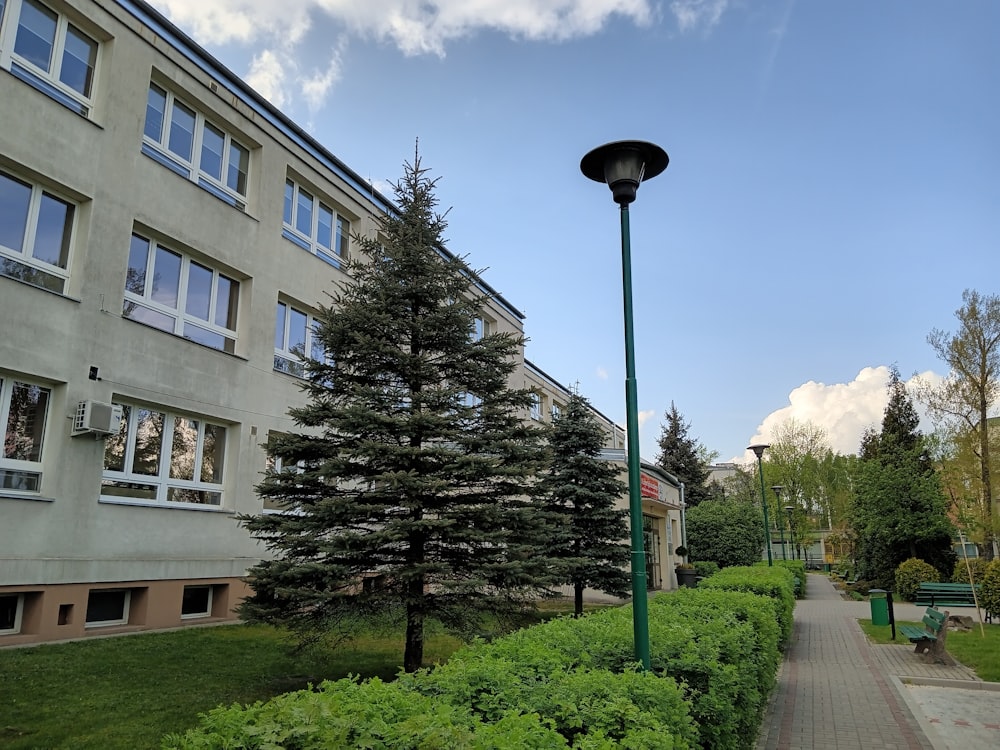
[776,583]
[347,713]
[706,568]
[989,596]
[798,568]
[961,572]
[910,574]
[727,532]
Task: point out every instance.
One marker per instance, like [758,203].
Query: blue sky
[832,186]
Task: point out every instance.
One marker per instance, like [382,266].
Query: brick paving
[834,693]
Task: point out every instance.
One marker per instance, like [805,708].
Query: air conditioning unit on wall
[97,418]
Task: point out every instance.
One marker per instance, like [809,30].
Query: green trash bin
[880,606]
[826,567]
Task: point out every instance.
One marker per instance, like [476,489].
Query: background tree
[899,509]
[965,399]
[415,463]
[956,452]
[684,457]
[727,532]
[580,493]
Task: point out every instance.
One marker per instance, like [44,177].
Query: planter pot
[687,577]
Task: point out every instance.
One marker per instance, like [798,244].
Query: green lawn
[128,692]
[972,649]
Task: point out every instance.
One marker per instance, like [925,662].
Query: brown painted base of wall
[69,611]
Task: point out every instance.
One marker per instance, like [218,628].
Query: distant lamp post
[781,527]
[623,165]
[790,510]
[758,450]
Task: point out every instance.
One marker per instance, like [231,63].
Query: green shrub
[910,574]
[798,568]
[347,713]
[776,583]
[989,596]
[961,572]
[706,568]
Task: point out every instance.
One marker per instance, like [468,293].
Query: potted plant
[686,574]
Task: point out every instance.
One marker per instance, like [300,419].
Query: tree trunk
[577,599]
[984,458]
[413,655]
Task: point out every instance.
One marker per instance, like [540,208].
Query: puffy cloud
[645,416]
[267,75]
[843,410]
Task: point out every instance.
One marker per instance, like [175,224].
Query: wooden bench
[930,639]
[933,594]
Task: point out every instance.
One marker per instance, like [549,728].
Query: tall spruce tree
[408,489]
[684,457]
[579,493]
[900,510]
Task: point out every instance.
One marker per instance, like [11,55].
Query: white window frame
[555,411]
[340,230]
[190,168]
[535,409]
[109,623]
[161,483]
[20,466]
[196,615]
[18,614]
[179,314]
[47,81]
[481,328]
[294,362]
[21,255]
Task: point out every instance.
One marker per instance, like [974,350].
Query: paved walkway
[838,692]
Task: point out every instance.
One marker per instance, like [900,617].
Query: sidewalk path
[838,692]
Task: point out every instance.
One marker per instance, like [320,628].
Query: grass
[128,692]
[979,653]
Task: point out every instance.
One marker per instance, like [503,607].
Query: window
[480,328]
[107,607]
[35,231]
[172,292]
[11,605]
[556,411]
[314,226]
[181,139]
[158,457]
[196,602]
[294,335]
[536,406]
[23,411]
[45,50]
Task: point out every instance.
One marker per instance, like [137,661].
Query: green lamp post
[758,449]
[623,165]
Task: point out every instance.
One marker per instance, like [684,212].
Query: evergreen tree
[579,493]
[407,490]
[684,457]
[899,510]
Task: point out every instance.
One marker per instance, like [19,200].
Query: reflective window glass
[324,230]
[25,422]
[166,277]
[114,445]
[213,453]
[79,59]
[36,33]
[156,105]
[138,258]
[297,332]
[181,131]
[279,326]
[289,197]
[239,165]
[226,302]
[199,291]
[14,199]
[148,442]
[303,213]
[184,446]
[213,142]
[52,233]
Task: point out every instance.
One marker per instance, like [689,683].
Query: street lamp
[781,527]
[758,449]
[790,510]
[622,165]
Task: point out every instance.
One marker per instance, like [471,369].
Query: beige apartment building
[165,236]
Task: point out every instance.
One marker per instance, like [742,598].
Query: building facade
[165,237]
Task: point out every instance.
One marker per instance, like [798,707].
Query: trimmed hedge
[714,654]
[910,574]
[774,582]
[798,568]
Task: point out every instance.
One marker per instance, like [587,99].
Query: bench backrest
[934,621]
[947,587]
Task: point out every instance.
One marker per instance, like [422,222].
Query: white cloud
[691,14]
[843,410]
[645,416]
[316,88]
[268,77]
[602,373]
